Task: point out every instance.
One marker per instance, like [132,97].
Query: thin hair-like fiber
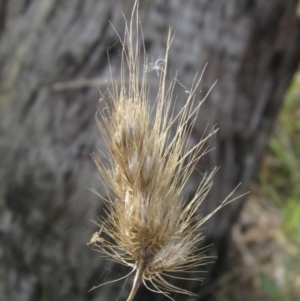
[148,226]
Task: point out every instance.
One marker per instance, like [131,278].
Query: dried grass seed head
[148,226]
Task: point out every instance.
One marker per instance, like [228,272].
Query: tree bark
[48,50]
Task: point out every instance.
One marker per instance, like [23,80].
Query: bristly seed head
[148,226]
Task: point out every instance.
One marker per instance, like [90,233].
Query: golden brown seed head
[149,227]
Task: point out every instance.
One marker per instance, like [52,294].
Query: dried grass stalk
[148,226]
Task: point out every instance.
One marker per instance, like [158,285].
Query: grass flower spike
[148,226]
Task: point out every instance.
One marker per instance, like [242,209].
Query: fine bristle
[148,226]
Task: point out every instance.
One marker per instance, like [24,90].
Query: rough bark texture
[47,130]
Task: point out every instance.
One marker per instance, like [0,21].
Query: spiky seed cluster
[148,226]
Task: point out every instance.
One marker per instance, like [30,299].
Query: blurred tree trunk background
[49,49]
